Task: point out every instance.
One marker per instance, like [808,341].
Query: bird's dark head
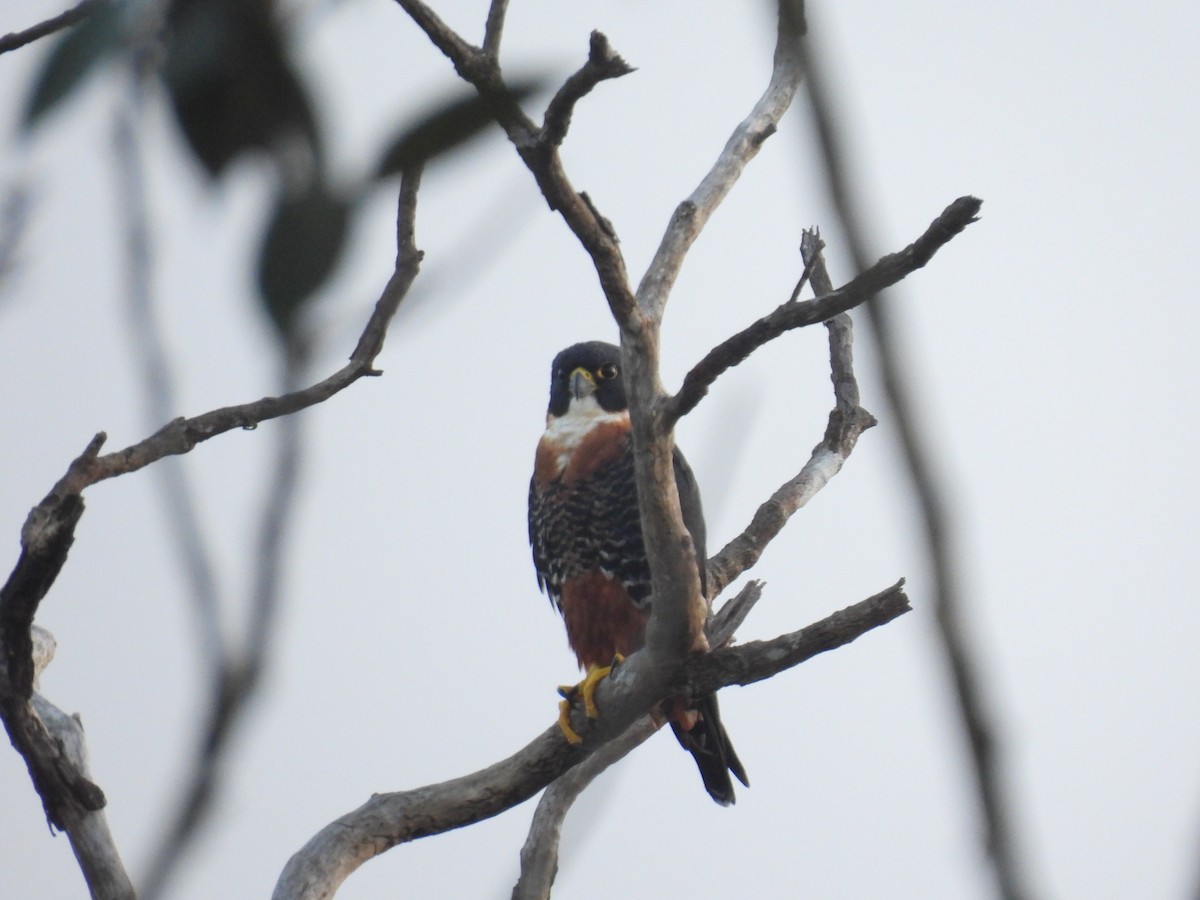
[586,372]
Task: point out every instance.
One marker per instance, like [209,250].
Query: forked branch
[317,870]
[797,314]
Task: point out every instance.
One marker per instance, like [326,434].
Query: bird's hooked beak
[582,383]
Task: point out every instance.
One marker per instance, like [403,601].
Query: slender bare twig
[743,145]
[67,794]
[539,855]
[977,718]
[603,63]
[541,157]
[869,282]
[386,820]
[16,39]
[494,28]
[847,421]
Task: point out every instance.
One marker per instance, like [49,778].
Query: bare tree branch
[847,421]
[692,214]
[792,314]
[539,855]
[67,794]
[90,837]
[540,157]
[759,660]
[676,625]
[16,39]
[52,742]
[494,29]
[978,721]
[317,870]
[602,64]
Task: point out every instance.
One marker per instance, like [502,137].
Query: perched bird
[588,549]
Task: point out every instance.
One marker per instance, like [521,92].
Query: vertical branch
[239,677]
[677,620]
[494,29]
[150,353]
[978,721]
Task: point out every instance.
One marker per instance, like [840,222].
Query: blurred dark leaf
[447,126]
[232,84]
[300,249]
[72,59]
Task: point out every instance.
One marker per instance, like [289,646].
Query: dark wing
[693,514]
[542,534]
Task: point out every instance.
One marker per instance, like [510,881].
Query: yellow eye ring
[607,371]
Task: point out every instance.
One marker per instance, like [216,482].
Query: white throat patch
[569,429]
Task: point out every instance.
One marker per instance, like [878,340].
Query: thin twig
[72,16]
[48,532]
[869,282]
[539,854]
[742,146]
[317,870]
[541,158]
[847,421]
[977,718]
[493,30]
[603,63]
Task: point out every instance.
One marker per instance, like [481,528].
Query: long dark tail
[709,745]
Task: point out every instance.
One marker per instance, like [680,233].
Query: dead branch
[602,64]
[494,28]
[847,421]
[977,718]
[539,855]
[541,157]
[67,793]
[16,39]
[743,145]
[870,281]
[317,870]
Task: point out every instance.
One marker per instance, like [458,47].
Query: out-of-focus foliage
[229,76]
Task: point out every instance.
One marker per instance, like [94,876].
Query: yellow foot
[586,689]
[564,723]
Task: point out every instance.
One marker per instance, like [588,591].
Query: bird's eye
[607,371]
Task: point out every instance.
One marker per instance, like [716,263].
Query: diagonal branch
[493,29]
[317,870]
[847,421]
[541,157]
[692,214]
[602,64]
[66,792]
[539,855]
[16,39]
[976,718]
[798,314]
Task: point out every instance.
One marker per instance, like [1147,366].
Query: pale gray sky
[1053,345]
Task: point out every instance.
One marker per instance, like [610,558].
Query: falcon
[588,550]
